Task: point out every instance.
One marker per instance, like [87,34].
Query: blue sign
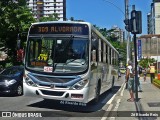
[139,49]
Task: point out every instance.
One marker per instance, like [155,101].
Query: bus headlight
[30,82]
[79,85]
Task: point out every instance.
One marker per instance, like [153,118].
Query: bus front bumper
[57,94]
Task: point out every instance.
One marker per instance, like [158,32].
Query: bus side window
[94,50]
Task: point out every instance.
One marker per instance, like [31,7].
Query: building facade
[119,33]
[153,18]
[150,46]
[45,8]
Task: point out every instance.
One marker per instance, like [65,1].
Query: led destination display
[60,28]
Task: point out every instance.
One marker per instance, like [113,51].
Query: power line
[115,6]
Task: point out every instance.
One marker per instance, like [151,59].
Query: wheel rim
[19,90]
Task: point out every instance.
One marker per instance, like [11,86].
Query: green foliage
[145,62]
[121,47]
[156,81]
[53,17]
[9,64]
[15,18]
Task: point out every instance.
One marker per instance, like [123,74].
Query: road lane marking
[110,101]
[115,108]
[124,86]
[121,90]
[107,112]
[107,98]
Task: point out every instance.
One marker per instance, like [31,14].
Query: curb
[157,85]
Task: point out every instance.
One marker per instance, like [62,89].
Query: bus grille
[53,79]
[49,85]
[52,93]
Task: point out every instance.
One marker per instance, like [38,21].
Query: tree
[145,62]
[15,18]
[52,17]
[121,47]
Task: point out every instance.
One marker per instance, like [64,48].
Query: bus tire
[97,93]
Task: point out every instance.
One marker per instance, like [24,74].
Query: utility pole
[133,25]
[127,33]
[136,28]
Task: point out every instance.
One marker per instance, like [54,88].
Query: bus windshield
[57,55]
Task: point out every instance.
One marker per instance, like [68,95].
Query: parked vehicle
[11,80]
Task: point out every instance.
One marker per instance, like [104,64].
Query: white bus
[68,61]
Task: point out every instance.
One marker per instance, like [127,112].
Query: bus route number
[42,29]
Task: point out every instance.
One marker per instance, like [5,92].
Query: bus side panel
[104,77]
[93,80]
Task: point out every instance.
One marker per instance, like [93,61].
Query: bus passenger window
[93,55]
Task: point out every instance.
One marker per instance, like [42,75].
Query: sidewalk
[147,107]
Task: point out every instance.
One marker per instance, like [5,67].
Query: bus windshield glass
[57,55]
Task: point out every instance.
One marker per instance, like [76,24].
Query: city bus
[68,61]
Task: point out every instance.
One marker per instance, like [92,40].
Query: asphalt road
[22,107]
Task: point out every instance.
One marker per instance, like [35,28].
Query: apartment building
[44,8]
[119,33]
[153,18]
[150,46]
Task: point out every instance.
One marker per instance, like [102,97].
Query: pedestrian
[145,74]
[152,72]
[130,81]
[125,76]
[139,69]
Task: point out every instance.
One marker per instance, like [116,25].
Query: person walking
[145,74]
[130,81]
[126,77]
[139,69]
[152,72]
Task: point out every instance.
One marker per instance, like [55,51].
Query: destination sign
[60,28]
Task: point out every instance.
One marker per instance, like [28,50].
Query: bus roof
[61,22]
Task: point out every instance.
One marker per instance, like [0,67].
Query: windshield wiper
[69,61]
[82,61]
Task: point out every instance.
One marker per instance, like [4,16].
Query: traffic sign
[139,50]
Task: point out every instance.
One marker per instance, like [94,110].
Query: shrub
[156,81]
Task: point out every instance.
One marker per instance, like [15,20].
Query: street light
[155,37]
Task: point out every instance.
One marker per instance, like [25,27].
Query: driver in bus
[70,53]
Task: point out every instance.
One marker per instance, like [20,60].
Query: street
[51,108]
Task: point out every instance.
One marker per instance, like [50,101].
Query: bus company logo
[6,114]
[52,86]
